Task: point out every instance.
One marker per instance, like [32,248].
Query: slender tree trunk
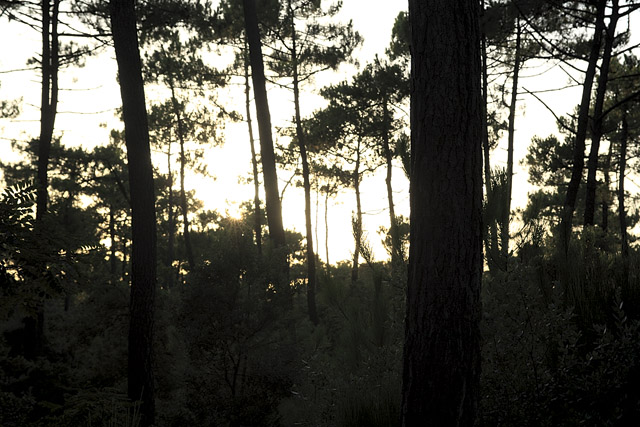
[491,244]
[257,227]
[125,258]
[183,194]
[306,182]
[171,220]
[396,251]
[112,236]
[596,133]
[622,214]
[34,325]
[143,217]
[274,209]
[581,133]
[357,226]
[326,228]
[442,338]
[49,99]
[506,214]
[607,186]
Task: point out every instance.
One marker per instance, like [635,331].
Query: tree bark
[257,225]
[491,244]
[273,206]
[596,132]
[49,99]
[34,324]
[442,336]
[581,133]
[143,217]
[506,214]
[306,182]
[396,250]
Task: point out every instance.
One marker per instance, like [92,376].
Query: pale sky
[94,91]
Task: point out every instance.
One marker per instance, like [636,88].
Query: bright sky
[93,91]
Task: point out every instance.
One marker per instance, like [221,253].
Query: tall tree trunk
[49,99]
[622,214]
[183,194]
[257,225]
[506,213]
[396,251]
[143,217]
[607,186]
[581,133]
[442,338]
[596,132]
[491,244]
[273,206]
[326,228]
[34,325]
[171,222]
[306,182]
[357,222]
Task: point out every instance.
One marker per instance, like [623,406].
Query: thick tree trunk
[257,225]
[143,217]
[273,206]
[596,132]
[506,213]
[622,214]
[442,338]
[581,133]
[306,182]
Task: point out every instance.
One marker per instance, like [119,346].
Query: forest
[128,300]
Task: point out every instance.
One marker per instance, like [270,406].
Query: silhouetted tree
[442,337]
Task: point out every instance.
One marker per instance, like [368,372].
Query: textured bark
[143,218]
[506,214]
[306,182]
[442,337]
[581,133]
[596,131]
[257,225]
